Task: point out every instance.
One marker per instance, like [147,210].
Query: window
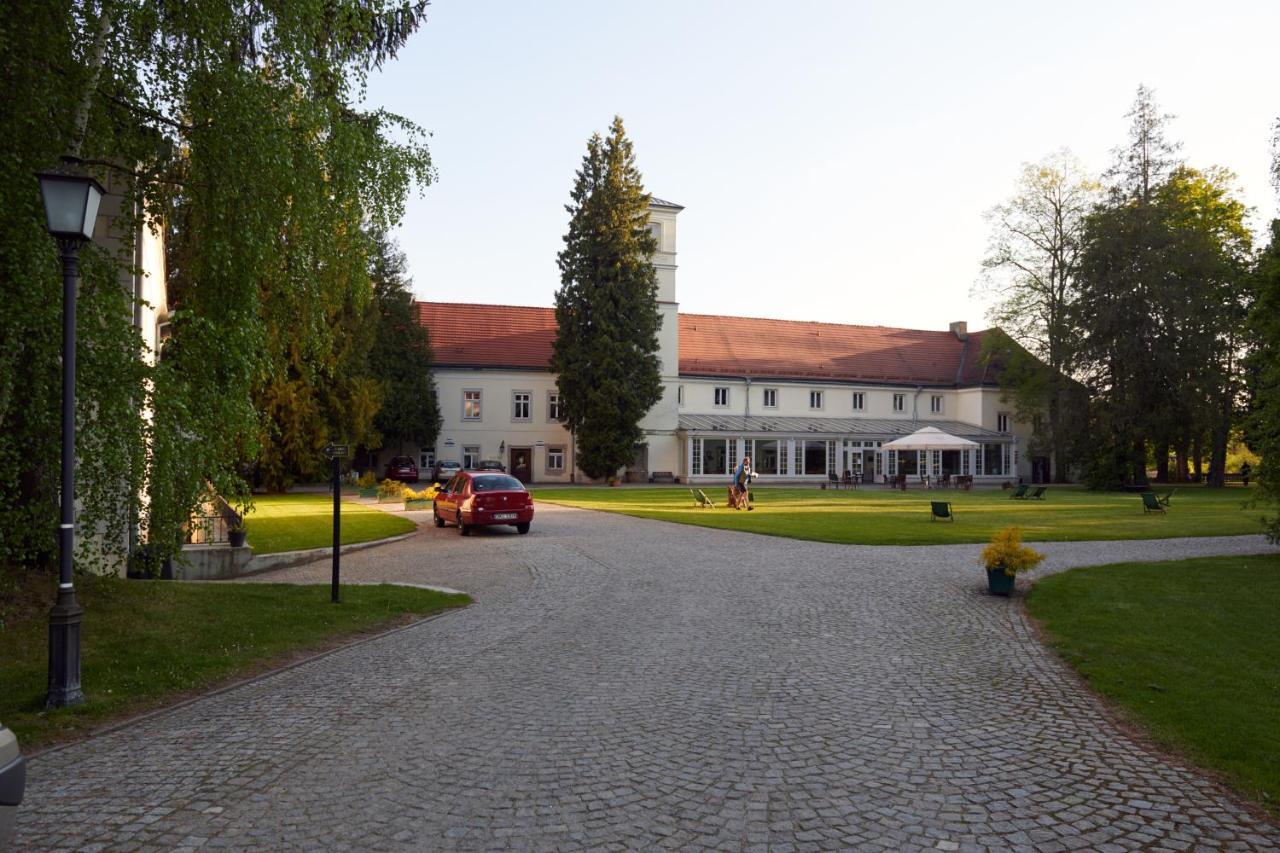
[722,397]
[765,460]
[471,405]
[1002,422]
[655,228]
[814,456]
[695,457]
[815,399]
[555,460]
[899,402]
[992,459]
[470,456]
[553,405]
[520,405]
[715,456]
[679,395]
[426,461]
[859,401]
[771,398]
[935,404]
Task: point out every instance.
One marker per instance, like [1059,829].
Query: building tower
[662,421]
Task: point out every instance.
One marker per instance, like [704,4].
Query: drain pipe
[915,403]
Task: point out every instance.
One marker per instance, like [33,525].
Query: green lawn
[1189,649]
[147,642]
[877,516]
[295,522]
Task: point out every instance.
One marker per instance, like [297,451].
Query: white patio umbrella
[929,438]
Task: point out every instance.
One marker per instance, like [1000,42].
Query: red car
[478,499]
[402,468]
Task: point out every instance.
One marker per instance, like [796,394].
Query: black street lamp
[71,201]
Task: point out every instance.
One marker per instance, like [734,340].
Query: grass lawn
[873,515]
[295,522]
[1188,649]
[146,643]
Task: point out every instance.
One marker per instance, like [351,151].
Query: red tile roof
[711,345]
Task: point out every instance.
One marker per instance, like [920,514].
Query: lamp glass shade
[70,204]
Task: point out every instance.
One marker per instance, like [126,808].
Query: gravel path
[624,683]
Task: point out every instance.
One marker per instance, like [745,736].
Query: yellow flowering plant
[391,489]
[1007,553]
[368,480]
[426,494]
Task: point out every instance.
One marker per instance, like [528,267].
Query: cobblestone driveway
[634,684]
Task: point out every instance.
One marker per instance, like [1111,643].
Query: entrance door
[868,466]
[521,466]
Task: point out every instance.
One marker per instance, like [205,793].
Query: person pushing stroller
[740,489]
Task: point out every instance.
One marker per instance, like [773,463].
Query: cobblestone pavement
[627,684]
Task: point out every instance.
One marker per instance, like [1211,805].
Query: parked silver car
[13,781]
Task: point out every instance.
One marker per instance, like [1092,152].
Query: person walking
[742,484]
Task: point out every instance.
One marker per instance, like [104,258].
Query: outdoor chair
[1020,492]
[1038,494]
[700,499]
[849,481]
[1151,503]
[834,481]
[1168,497]
[941,509]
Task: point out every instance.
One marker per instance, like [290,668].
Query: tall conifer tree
[605,354]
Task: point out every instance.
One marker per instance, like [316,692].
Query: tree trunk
[1057,459]
[1139,462]
[1180,452]
[1218,447]
[1162,462]
[1197,457]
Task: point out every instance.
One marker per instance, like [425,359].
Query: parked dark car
[481,498]
[13,782]
[490,465]
[403,469]
[444,470]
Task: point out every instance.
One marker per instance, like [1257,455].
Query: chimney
[960,329]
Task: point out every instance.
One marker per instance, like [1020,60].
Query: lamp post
[71,201]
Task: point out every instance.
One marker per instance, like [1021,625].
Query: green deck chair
[941,509]
[1020,492]
[1150,503]
[1164,501]
[1038,494]
[700,499]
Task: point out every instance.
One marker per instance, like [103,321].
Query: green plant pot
[999,583]
[389,499]
[368,493]
[420,503]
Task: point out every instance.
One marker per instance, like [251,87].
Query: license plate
[503,516]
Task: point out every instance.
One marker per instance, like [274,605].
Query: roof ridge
[819,323]
[484,305]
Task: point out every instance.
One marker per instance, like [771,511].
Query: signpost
[336,452]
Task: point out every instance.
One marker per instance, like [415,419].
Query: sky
[834,159]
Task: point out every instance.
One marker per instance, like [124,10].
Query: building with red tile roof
[807,400]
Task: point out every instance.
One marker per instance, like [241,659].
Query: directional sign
[336,451]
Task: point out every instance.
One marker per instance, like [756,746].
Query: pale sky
[834,158]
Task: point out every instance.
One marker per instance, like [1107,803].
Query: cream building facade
[807,401]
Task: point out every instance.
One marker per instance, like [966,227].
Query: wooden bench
[662,477]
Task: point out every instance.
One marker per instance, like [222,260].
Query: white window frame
[899,402]
[815,399]
[859,401]
[935,404]
[516,402]
[479,401]
[679,395]
[1002,422]
[771,398]
[472,451]
[716,395]
[552,452]
[426,460]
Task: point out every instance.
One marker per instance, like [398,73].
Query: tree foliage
[1030,267]
[1161,307]
[400,359]
[233,125]
[1263,427]
[605,352]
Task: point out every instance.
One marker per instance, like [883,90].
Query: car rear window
[496,483]
[402,460]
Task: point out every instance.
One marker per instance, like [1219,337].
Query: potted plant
[367,485]
[236,532]
[391,491]
[1005,558]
